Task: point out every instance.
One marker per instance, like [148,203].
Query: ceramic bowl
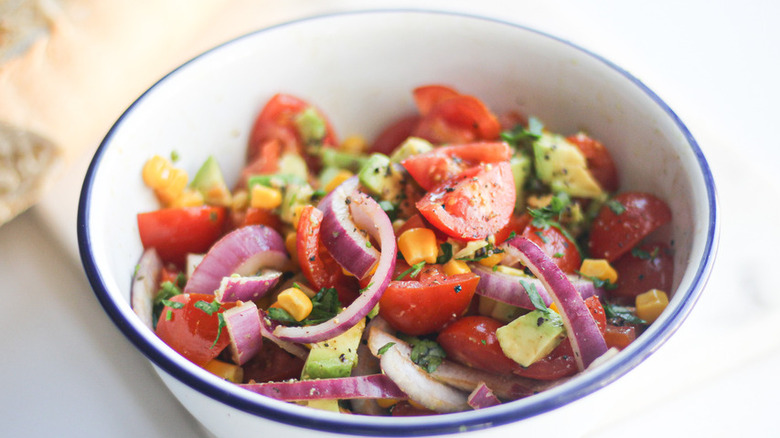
[360,68]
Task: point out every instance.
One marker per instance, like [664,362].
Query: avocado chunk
[334,357]
[411,146]
[325,404]
[311,126]
[211,184]
[561,165]
[520,165]
[332,157]
[383,178]
[531,336]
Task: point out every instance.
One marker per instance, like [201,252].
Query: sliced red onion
[193,260]
[508,288]
[369,216]
[367,364]
[465,378]
[235,288]
[482,397]
[243,251]
[145,283]
[347,241]
[587,342]
[244,328]
[267,327]
[374,386]
[419,385]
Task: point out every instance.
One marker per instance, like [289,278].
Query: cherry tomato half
[557,246]
[175,232]
[394,134]
[474,205]
[472,341]
[649,267]
[444,163]
[450,117]
[598,159]
[272,364]
[425,306]
[616,231]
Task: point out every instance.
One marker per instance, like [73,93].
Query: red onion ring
[145,283]
[482,397]
[373,386]
[243,326]
[236,288]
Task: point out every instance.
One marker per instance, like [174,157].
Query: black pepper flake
[312,258]
[449,189]
[348,200]
[343,357]
[539,321]
[458,288]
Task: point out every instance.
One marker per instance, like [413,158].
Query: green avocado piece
[561,165]
[383,178]
[411,146]
[332,157]
[334,357]
[293,164]
[521,170]
[211,184]
[531,336]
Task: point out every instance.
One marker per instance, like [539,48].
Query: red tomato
[451,117]
[619,337]
[650,268]
[191,331]
[175,232]
[444,163]
[599,160]
[272,364]
[613,235]
[317,265]
[275,128]
[516,224]
[560,362]
[560,249]
[472,341]
[427,305]
[395,134]
[428,96]
[474,205]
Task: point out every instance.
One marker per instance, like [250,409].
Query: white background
[67,371]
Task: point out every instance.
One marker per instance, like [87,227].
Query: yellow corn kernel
[154,170]
[240,200]
[295,302]
[599,268]
[265,197]
[296,217]
[339,178]
[418,245]
[650,304]
[171,185]
[188,198]
[385,403]
[455,267]
[228,371]
[354,144]
[491,260]
[291,243]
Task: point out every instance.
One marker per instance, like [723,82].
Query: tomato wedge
[425,306]
[451,117]
[598,159]
[476,204]
[395,134]
[650,267]
[443,163]
[175,232]
[556,245]
[472,341]
[620,226]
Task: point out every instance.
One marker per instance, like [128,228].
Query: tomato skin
[516,224]
[175,232]
[599,160]
[559,248]
[272,364]
[619,337]
[395,134]
[451,117]
[428,96]
[637,275]
[425,306]
[474,205]
[472,341]
[443,163]
[405,409]
[613,235]
[191,331]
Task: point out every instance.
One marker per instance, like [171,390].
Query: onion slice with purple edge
[508,288]
[368,215]
[243,251]
[244,328]
[235,288]
[373,386]
[346,241]
[482,397]
[587,342]
[267,327]
[144,287]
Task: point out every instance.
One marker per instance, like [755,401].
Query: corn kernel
[291,243]
[296,217]
[188,198]
[385,403]
[240,200]
[354,144]
[265,197]
[228,371]
[599,268]
[171,185]
[508,270]
[153,170]
[339,178]
[418,245]
[651,304]
[455,267]
[295,302]
[534,201]
[491,260]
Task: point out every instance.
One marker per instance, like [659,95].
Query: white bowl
[360,69]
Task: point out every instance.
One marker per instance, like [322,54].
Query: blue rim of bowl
[473,420]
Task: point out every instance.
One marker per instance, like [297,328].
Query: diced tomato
[170,274]
[443,163]
[472,341]
[556,245]
[516,224]
[175,232]
[428,96]
[619,337]
[395,134]
[425,306]
[613,234]
[272,364]
[473,206]
[598,159]
[192,331]
[450,117]
[651,267]
[262,216]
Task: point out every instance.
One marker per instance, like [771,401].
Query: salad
[460,260]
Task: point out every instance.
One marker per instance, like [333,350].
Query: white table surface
[66,371]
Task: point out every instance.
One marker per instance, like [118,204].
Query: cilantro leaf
[446,253]
[625,314]
[597,282]
[385,347]
[427,354]
[533,294]
[411,272]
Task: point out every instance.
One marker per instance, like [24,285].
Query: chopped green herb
[385,347]
[325,305]
[521,137]
[446,253]
[174,156]
[172,304]
[616,206]
[622,313]
[208,307]
[411,272]
[604,284]
[484,342]
[533,294]
[220,326]
[644,255]
[168,315]
[558,255]
[368,244]
[427,354]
